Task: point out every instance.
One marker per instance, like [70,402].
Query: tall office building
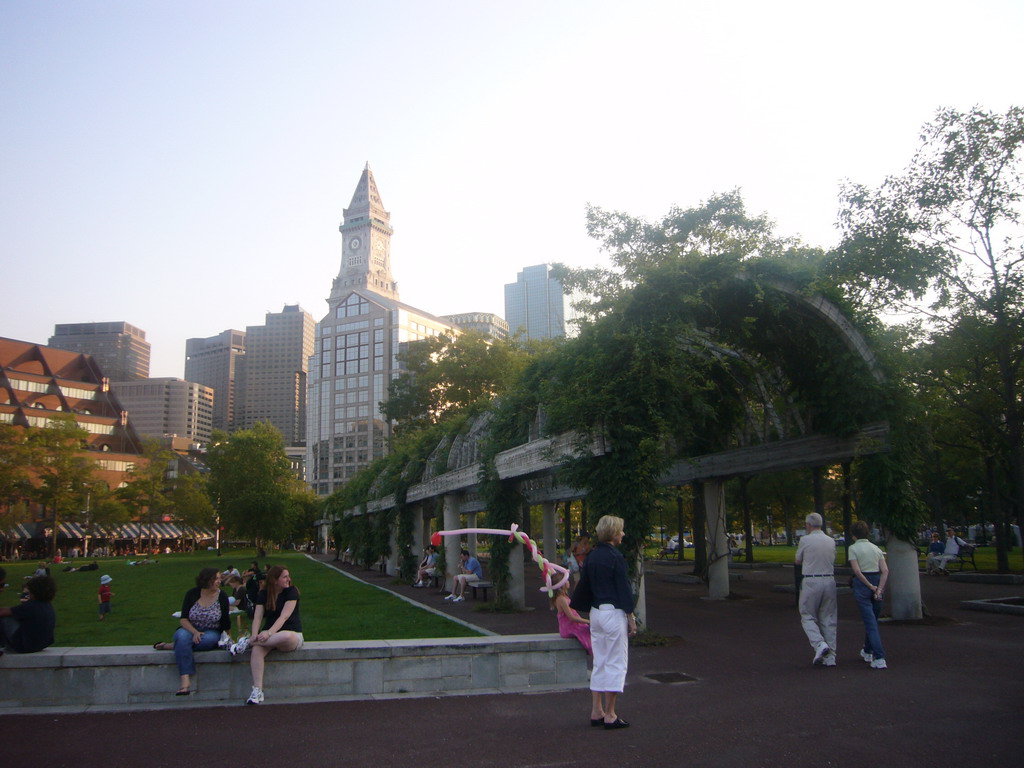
[271,382]
[213,361]
[535,304]
[168,406]
[120,349]
[357,344]
[486,323]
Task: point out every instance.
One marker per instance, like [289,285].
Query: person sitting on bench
[470,571]
[951,551]
[427,569]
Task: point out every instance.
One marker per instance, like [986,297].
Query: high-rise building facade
[168,406]
[213,362]
[356,349]
[535,304]
[120,349]
[486,323]
[271,383]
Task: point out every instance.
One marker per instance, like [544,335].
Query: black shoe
[596,723]
[619,723]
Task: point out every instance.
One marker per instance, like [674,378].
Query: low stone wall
[138,677]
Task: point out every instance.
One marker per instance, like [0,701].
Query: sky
[183,166]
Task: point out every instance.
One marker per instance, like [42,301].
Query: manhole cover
[671,677]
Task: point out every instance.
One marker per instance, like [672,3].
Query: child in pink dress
[570,623]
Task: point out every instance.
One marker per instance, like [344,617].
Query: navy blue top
[36,622]
[603,579]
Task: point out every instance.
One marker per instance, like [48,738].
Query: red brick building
[39,382]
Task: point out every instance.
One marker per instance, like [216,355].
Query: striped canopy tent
[70,531]
[24,532]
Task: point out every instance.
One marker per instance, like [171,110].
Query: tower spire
[366,242]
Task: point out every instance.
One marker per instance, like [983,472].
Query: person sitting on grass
[28,627]
[470,571]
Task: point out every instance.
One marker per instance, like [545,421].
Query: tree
[15,465]
[448,375]
[103,507]
[251,483]
[191,500]
[148,490]
[62,471]
[944,240]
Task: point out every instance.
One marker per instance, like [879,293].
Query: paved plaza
[953,695]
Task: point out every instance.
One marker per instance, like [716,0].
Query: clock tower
[365,243]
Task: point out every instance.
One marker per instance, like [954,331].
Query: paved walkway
[954,695]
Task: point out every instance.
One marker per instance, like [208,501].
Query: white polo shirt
[817,552]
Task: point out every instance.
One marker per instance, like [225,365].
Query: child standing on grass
[104,596]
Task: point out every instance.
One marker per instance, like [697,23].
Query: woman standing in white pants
[604,591]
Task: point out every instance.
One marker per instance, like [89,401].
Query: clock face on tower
[354,244]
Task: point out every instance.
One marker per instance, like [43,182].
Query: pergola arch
[753,316]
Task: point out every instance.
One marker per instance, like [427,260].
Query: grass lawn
[985,557]
[333,606]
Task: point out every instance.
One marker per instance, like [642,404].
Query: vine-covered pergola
[710,369]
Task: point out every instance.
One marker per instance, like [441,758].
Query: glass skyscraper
[535,304]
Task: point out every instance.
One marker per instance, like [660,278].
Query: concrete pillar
[640,609]
[420,537]
[550,537]
[452,546]
[325,532]
[517,576]
[471,522]
[393,565]
[718,545]
[904,585]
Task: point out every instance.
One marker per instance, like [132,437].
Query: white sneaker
[458,599]
[820,652]
[829,660]
[256,697]
[450,597]
[868,657]
[225,640]
[240,647]
[879,664]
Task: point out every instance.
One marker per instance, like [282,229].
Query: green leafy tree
[15,473]
[62,471]
[944,240]
[446,375]
[103,507]
[251,483]
[147,492]
[191,501]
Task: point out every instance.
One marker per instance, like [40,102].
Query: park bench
[963,558]
[482,585]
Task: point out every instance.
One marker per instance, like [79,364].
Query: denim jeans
[184,648]
[870,610]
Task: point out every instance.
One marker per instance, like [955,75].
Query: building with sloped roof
[38,383]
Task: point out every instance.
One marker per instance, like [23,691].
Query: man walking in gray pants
[818,611]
